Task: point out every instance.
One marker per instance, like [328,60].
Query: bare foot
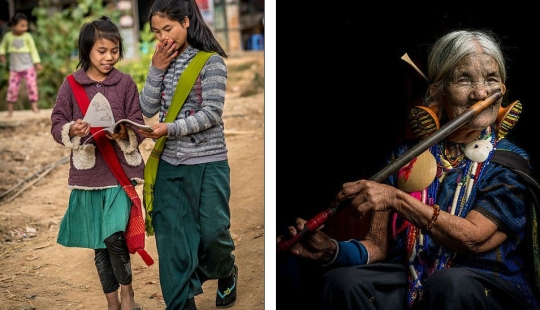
[113,302]
[127,296]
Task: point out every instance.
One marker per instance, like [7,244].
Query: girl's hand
[160,130]
[119,134]
[79,128]
[164,54]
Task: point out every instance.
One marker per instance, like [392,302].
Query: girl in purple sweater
[99,208]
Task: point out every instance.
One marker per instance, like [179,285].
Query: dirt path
[37,273]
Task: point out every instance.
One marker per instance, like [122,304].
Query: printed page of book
[99,113]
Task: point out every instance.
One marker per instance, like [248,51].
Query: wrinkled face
[21,27]
[475,78]
[104,55]
[165,30]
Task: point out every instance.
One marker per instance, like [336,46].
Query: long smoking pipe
[396,164]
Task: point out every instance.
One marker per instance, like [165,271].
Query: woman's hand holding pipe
[365,196]
[314,245]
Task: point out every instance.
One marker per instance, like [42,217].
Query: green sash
[185,84]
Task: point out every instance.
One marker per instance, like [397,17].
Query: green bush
[58,49]
[137,68]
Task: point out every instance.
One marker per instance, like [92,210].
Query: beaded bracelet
[436,211]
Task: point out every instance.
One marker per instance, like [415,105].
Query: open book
[99,114]
[116,126]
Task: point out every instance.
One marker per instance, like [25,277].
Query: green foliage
[147,39]
[58,48]
[137,68]
[146,34]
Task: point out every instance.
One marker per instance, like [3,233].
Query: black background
[343,92]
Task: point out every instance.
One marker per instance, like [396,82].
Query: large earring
[507,118]
[424,120]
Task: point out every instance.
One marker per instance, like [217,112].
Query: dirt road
[37,273]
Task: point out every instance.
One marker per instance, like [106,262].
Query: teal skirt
[92,216]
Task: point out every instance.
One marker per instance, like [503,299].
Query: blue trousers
[305,284]
[383,286]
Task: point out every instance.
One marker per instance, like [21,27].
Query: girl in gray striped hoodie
[191,215]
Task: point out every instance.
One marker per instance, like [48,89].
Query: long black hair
[102,28]
[199,34]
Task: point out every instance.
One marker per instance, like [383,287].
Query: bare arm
[376,241]
[475,233]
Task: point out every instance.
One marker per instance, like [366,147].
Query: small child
[24,60]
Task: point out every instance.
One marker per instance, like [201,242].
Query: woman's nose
[481,89]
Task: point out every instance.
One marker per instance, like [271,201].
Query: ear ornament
[507,118]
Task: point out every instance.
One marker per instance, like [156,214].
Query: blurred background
[238,25]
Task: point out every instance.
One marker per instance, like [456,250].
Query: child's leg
[121,266]
[127,295]
[14,83]
[35,107]
[113,303]
[10,109]
[32,88]
[106,277]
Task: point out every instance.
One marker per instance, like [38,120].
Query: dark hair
[102,28]
[199,34]
[17,18]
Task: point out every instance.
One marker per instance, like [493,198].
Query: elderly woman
[453,235]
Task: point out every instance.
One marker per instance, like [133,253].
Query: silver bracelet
[335,255]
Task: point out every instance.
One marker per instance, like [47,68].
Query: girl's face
[166,30]
[104,55]
[20,28]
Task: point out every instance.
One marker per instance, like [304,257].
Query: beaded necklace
[421,262]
